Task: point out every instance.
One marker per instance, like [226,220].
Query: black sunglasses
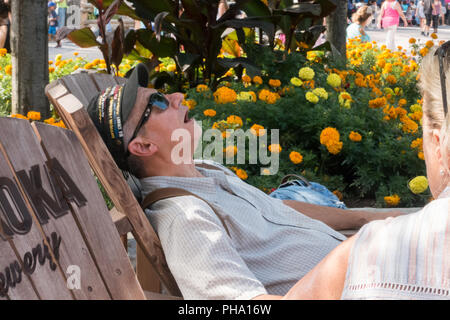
[441,53]
[156,99]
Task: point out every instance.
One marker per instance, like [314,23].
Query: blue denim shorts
[314,193]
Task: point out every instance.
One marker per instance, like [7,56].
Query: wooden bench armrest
[159,296]
[121,221]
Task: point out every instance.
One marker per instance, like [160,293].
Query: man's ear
[142,147]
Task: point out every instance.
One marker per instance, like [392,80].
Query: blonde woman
[406,257]
[361,18]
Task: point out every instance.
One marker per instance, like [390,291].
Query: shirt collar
[199,185]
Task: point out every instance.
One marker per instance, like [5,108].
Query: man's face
[161,124]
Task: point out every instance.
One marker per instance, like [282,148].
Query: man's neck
[173,170]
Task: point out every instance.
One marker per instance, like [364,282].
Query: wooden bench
[70,95]
[57,239]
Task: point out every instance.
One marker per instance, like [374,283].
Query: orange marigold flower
[392,200]
[33,115]
[225,95]
[295,157]
[275,83]
[257,80]
[275,148]
[235,120]
[246,79]
[209,112]
[8,69]
[257,130]
[241,174]
[355,136]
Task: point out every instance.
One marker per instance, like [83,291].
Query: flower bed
[356,129]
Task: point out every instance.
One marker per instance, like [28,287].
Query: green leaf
[167,47]
[83,38]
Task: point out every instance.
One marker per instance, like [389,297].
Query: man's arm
[339,219]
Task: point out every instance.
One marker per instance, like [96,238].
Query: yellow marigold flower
[421,156]
[8,69]
[75,54]
[201,88]
[209,112]
[306,73]
[433,36]
[246,96]
[257,130]
[225,95]
[246,79]
[296,81]
[18,116]
[171,67]
[257,80]
[429,44]
[51,69]
[58,57]
[241,174]
[275,83]
[235,120]
[295,157]
[412,40]
[392,200]
[3,52]
[321,93]
[311,97]
[355,136]
[418,184]
[33,115]
[345,99]
[415,107]
[275,148]
[401,102]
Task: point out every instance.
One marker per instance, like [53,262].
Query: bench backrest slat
[55,223]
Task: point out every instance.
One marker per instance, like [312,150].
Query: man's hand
[339,219]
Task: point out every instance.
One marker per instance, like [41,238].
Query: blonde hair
[433,106]
[430,87]
[362,14]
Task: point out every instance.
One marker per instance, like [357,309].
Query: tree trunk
[29,51]
[336,27]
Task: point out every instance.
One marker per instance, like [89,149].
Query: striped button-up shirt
[407,257]
[270,246]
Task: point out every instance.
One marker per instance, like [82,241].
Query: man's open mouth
[186,117]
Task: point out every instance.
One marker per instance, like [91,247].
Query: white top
[271,247]
[407,257]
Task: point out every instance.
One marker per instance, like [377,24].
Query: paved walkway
[403,36]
